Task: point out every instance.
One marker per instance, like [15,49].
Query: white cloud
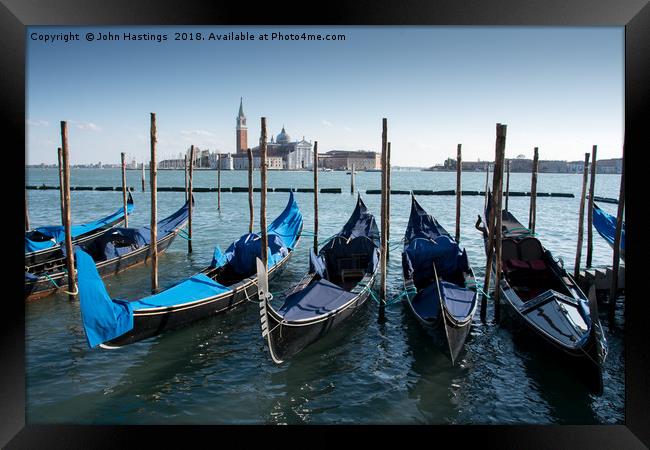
[196,133]
[85,125]
[327,123]
[348,129]
[43,123]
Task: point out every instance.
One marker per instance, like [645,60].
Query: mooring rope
[182,233]
[52,281]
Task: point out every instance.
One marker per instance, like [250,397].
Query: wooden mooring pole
[383,241]
[250,190]
[72,291]
[142,176]
[581,217]
[501,150]
[487,179]
[459,192]
[352,180]
[153,173]
[533,193]
[190,189]
[590,211]
[316,197]
[263,195]
[507,182]
[126,215]
[26,213]
[387,202]
[60,157]
[186,184]
[219,182]
[613,291]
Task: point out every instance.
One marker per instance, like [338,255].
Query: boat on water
[45,243]
[115,250]
[338,283]
[542,297]
[438,281]
[605,224]
[229,281]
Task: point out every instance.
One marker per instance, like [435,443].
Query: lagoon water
[218,371]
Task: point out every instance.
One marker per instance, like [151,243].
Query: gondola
[544,300]
[338,283]
[438,281]
[45,243]
[605,224]
[229,281]
[117,249]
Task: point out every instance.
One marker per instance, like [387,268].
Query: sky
[557,88]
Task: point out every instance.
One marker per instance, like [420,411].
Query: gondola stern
[264,297]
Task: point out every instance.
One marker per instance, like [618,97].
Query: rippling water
[218,370]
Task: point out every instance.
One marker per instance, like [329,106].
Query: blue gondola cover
[605,224]
[196,287]
[318,298]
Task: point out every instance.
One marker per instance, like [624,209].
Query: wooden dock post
[613,292]
[383,240]
[142,176]
[352,180]
[153,173]
[388,201]
[459,170]
[533,193]
[250,190]
[72,291]
[186,184]
[590,210]
[219,183]
[61,199]
[487,179]
[501,148]
[126,215]
[581,217]
[191,186]
[507,182]
[316,197]
[26,213]
[263,194]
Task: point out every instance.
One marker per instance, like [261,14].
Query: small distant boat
[605,224]
[45,243]
[325,170]
[540,295]
[373,170]
[350,172]
[116,250]
[338,283]
[229,281]
[438,281]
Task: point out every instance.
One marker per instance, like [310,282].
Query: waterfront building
[344,159]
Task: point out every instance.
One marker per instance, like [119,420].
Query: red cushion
[517,264]
[537,264]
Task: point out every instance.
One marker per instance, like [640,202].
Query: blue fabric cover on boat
[458,301]
[120,241]
[242,253]
[444,251]
[320,297]
[196,287]
[338,254]
[317,264]
[288,224]
[30,277]
[103,318]
[218,258]
[56,233]
[605,224]
[361,223]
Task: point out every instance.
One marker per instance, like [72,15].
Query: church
[281,151]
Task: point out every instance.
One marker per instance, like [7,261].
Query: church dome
[283,137]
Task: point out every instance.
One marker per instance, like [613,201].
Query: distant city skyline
[560,89]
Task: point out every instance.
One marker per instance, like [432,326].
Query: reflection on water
[218,370]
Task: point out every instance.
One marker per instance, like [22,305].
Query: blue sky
[561,89]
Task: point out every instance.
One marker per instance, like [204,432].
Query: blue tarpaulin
[605,224]
[458,301]
[103,318]
[421,253]
[197,287]
[55,234]
[318,298]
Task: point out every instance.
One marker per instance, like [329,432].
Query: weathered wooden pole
[383,240]
[263,194]
[142,176]
[126,215]
[459,169]
[387,201]
[316,197]
[26,213]
[72,291]
[191,186]
[250,190]
[487,178]
[501,148]
[61,198]
[492,219]
[590,210]
[507,183]
[352,180]
[533,193]
[219,183]
[581,216]
[186,184]
[613,291]
[153,173]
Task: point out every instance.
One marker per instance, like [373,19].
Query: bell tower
[241,130]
